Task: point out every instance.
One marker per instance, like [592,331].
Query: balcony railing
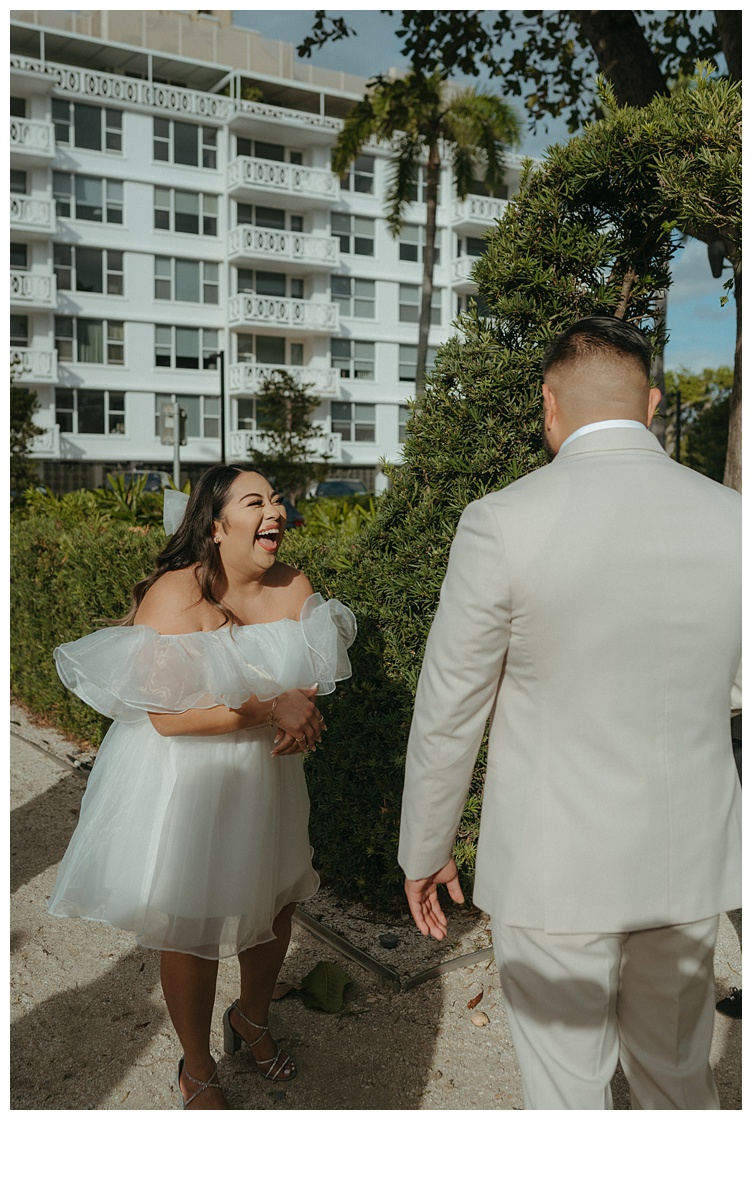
[245,379]
[33,138]
[461,274]
[31,214]
[250,243]
[243,442]
[272,312]
[31,291]
[478,210]
[47,443]
[33,366]
[308,186]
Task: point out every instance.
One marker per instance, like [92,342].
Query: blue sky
[701,332]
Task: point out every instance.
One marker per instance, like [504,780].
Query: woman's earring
[217,540]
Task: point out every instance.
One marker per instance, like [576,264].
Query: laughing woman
[194,827]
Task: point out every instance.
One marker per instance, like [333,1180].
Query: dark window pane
[90,412]
[18,182]
[186,348]
[270,349]
[18,255]
[185,143]
[17,106]
[186,212]
[270,150]
[19,330]
[88,269]
[88,198]
[88,126]
[243,147]
[269,283]
[270,218]
[187,280]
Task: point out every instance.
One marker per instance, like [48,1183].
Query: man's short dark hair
[596,336]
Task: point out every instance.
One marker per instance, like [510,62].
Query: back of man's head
[599,338]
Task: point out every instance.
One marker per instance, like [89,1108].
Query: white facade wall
[309,251]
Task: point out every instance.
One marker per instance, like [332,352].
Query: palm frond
[359,126]
[402,181]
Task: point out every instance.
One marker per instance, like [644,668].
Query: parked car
[155,480]
[341,487]
[295,518]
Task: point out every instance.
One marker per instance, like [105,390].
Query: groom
[591,613]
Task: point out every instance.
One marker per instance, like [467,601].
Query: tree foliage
[420,117]
[702,400]
[284,411]
[23,473]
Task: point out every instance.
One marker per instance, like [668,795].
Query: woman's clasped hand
[299,722]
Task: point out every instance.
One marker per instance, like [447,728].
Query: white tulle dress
[195,843]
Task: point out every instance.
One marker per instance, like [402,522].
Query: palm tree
[418,113]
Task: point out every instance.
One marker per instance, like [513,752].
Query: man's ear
[550,406]
[654,399]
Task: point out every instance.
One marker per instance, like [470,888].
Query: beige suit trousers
[578,1003]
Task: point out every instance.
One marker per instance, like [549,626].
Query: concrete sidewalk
[90,1031]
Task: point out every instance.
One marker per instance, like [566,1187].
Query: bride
[194,827]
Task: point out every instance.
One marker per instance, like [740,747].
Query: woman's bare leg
[259,971]
[189,985]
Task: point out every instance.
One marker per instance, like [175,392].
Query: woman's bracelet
[273,709]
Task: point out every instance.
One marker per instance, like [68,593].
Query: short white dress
[195,843]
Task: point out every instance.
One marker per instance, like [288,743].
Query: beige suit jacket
[592,611]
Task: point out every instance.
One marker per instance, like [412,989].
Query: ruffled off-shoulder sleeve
[126,671]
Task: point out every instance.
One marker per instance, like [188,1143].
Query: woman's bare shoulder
[173,604]
[294,588]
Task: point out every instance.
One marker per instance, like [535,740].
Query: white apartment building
[177,233]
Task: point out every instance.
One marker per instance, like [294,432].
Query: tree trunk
[732,475]
[432,191]
[624,54]
[729,26]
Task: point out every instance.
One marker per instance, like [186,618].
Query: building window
[18,106]
[94,128]
[478,188]
[269,283]
[185,212]
[19,258]
[186,280]
[404,417]
[18,182]
[19,329]
[355,297]
[478,299]
[268,218]
[353,360]
[356,422]
[179,142]
[84,269]
[474,247]
[83,340]
[356,234]
[271,151]
[185,349]
[88,199]
[409,304]
[87,410]
[359,178]
[202,413]
[408,361]
[412,242]
[267,350]
[418,190]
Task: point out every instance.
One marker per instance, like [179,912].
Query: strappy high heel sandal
[234,1040]
[203,1085]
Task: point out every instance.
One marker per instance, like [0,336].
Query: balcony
[243,443]
[259,180]
[30,292]
[246,378]
[32,216]
[33,366]
[248,311]
[250,245]
[31,141]
[462,281]
[476,213]
[47,444]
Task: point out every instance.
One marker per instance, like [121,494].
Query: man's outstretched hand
[422,896]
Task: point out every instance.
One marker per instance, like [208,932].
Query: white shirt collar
[600,425]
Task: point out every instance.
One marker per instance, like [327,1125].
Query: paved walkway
[90,1030]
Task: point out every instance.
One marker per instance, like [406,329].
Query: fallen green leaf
[324,987]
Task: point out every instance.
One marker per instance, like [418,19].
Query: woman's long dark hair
[192,543]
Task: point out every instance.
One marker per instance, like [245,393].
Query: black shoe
[731,1005]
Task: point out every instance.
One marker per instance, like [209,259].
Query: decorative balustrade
[462,269]
[251,243]
[243,443]
[478,210]
[47,443]
[280,312]
[33,366]
[36,138]
[32,214]
[246,378]
[28,290]
[308,185]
